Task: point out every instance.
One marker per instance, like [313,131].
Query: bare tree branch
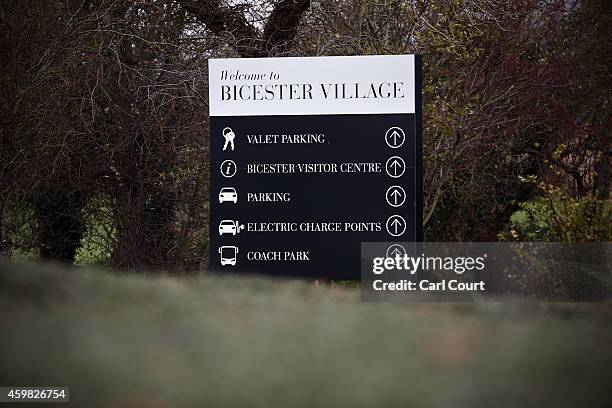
[245,38]
[282,25]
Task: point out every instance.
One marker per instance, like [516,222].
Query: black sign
[309,158]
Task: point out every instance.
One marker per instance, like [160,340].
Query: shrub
[553,216]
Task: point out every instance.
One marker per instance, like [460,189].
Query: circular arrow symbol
[395,250]
[395,166]
[395,137]
[396,196]
[228,168]
[396,225]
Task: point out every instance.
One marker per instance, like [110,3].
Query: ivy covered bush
[554,216]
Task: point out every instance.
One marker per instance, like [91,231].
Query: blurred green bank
[149,341]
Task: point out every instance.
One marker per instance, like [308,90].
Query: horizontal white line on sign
[312,85]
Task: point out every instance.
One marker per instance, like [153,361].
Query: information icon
[396,196]
[396,225]
[395,166]
[228,168]
[395,137]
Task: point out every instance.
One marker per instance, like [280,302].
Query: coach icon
[228,255]
[229,136]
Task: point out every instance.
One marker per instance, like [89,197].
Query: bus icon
[228,255]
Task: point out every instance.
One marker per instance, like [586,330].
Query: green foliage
[99,236]
[21,232]
[554,216]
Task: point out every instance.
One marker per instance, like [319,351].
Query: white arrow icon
[395,250]
[396,225]
[396,196]
[395,166]
[395,137]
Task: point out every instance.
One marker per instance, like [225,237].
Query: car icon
[230,227]
[228,194]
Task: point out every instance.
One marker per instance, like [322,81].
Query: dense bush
[560,218]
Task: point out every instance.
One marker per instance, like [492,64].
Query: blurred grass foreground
[140,341]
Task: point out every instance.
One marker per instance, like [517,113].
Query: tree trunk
[60,224]
[145,231]
[5,248]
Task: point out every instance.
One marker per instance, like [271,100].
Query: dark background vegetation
[104,116]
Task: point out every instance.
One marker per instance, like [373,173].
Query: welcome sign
[310,157]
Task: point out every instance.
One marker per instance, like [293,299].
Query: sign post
[309,158]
